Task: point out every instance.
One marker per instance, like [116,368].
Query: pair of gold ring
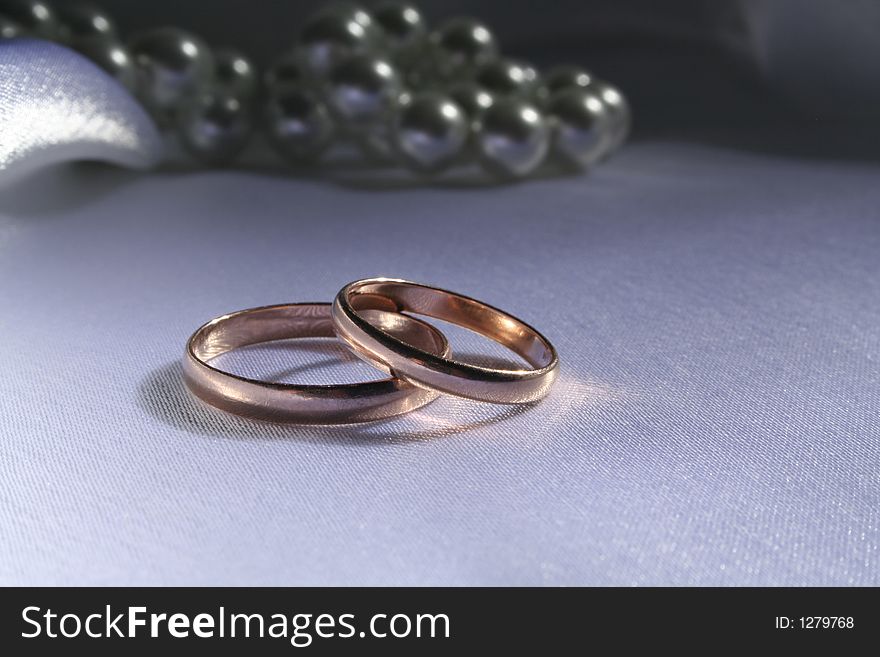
[367,316]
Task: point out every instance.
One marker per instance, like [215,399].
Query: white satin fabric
[55,105]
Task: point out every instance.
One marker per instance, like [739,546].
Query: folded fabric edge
[57,106]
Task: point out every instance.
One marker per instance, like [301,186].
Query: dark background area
[795,76]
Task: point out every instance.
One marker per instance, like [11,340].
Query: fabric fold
[56,105]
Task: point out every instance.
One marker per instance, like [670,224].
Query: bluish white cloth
[717,419]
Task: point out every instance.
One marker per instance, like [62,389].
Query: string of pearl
[427,99]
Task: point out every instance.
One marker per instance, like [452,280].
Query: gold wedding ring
[439,372]
[368,316]
[282,402]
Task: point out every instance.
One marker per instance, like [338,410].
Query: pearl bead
[402,24]
[462,42]
[32,16]
[215,127]
[566,77]
[332,36]
[619,110]
[286,71]
[297,124]
[582,132]
[234,73]
[351,10]
[9,29]
[512,138]
[505,77]
[361,89]
[471,98]
[83,23]
[559,78]
[114,58]
[430,132]
[172,66]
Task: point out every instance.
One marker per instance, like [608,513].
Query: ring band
[314,404]
[439,372]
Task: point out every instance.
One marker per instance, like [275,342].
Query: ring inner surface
[262,325]
[456,309]
[311,320]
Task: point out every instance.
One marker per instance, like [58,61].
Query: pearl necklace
[429,100]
